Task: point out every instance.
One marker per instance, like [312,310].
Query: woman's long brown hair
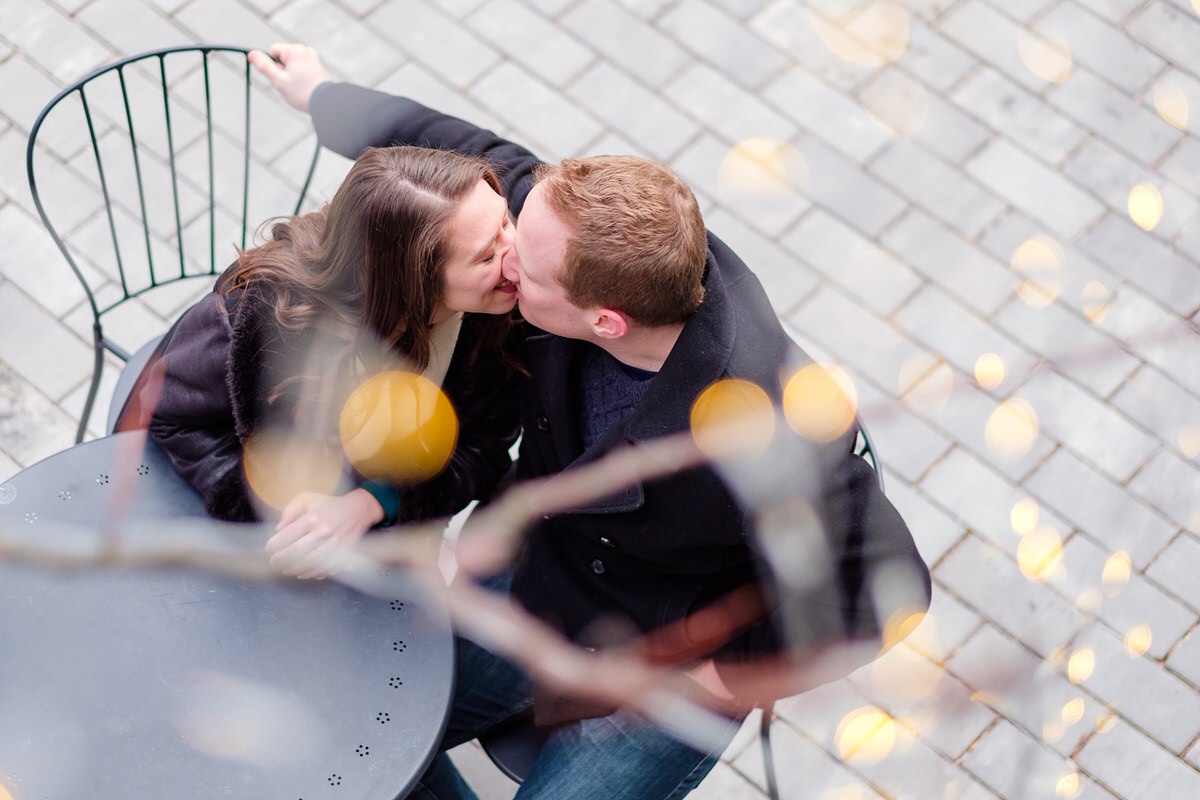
[373,258]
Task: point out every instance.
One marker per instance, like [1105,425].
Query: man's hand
[297,74]
[315,527]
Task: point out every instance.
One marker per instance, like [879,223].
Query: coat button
[543,424]
[598,567]
[607,542]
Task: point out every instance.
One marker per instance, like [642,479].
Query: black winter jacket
[654,553]
[224,359]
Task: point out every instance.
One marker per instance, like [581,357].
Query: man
[640,310]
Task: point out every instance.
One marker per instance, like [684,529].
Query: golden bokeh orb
[1189,441]
[1081,665]
[990,370]
[1024,515]
[1116,573]
[900,624]
[1039,553]
[865,736]
[1068,786]
[763,166]
[1073,710]
[877,35]
[1011,430]
[1037,263]
[1138,640]
[820,402]
[1097,300]
[280,464]
[1090,601]
[1171,103]
[1145,206]
[732,418]
[399,427]
[1046,54]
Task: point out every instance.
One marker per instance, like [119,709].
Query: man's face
[535,264]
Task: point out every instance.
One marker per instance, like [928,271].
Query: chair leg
[97,368]
[768,715]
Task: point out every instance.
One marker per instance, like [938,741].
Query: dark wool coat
[224,359]
[653,553]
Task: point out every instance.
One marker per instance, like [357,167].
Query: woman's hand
[296,74]
[315,527]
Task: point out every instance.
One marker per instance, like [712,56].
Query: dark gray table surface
[183,683]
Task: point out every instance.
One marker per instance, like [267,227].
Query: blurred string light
[1118,568]
[1046,54]
[1089,601]
[1171,103]
[1189,440]
[254,723]
[1073,710]
[1097,300]
[764,167]
[1068,786]
[1138,640]
[1106,723]
[1196,5]
[990,370]
[847,792]
[1081,665]
[865,736]
[1053,730]
[1024,516]
[398,426]
[820,402]
[901,623]
[1011,429]
[4,793]
[1039,554]
[875,36]
[1145,206]
[1037,263]
[732,418]
[280,464]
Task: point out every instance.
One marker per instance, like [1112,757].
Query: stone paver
[917,145]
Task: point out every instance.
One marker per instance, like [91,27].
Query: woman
[403,262]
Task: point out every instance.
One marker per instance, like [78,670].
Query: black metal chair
[171,158]
[513,747]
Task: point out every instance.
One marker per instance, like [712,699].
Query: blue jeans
[618,757]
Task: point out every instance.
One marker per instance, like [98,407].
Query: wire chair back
[156,170]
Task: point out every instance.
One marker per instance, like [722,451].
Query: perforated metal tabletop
[185,683]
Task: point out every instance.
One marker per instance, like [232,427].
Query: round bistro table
[180,682]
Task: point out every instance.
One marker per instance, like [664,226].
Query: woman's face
[480,232]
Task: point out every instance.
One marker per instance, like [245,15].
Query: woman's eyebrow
[483,250]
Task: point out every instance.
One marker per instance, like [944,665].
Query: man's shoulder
[761,346]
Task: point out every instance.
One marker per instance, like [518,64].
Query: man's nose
[510,264]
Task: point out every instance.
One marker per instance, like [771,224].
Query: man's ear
[609,324]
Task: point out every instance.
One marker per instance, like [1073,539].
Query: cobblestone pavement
[918,185]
